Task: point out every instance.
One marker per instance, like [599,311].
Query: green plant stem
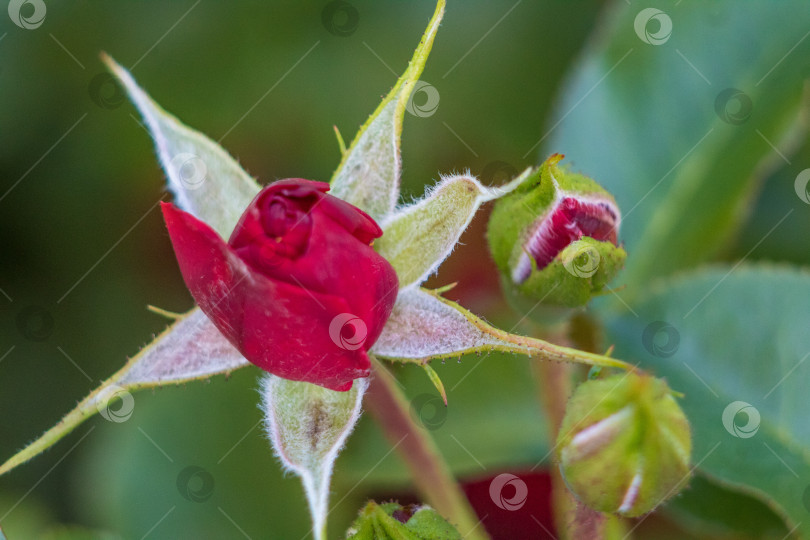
[554,387]
[573,520]
[430,473]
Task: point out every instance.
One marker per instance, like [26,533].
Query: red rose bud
[570,219]
[555,239]
[298,289]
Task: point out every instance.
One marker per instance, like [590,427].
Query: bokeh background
[83,250]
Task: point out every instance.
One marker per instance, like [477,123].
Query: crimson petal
[283,328]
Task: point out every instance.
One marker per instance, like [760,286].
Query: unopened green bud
[391,521]
[555,237]
[624,444]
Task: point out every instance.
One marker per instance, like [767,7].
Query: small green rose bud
[391,521]
[555,238]
[624,444]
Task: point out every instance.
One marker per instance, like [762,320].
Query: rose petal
[336,258]
[354,271]
[280,327]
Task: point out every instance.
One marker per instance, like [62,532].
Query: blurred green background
[84,252]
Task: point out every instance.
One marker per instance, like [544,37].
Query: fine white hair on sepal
[205,180]
[307,426]
[429,191]
[193,348]
[420,236]
[422,326]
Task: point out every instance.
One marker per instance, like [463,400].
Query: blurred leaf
[420,236]
[205,180]
[67,532]
[772,205]
[368,174]
[707,508]
[23,517]
[679,126]
[743,373]
[190,349]
[308,426]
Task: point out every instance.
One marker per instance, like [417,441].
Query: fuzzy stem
[429,471]
[318,504]
[550,351]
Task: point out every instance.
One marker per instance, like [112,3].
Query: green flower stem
[549,351]
[573,520]
[554,388]
[430,473]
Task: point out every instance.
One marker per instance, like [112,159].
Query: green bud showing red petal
[391,521]
[625,444]
[555,239]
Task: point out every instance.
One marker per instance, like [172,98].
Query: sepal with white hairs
[424,326]
[206,181]
[307,426]
[418,237]
[190,349]
[369,172]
